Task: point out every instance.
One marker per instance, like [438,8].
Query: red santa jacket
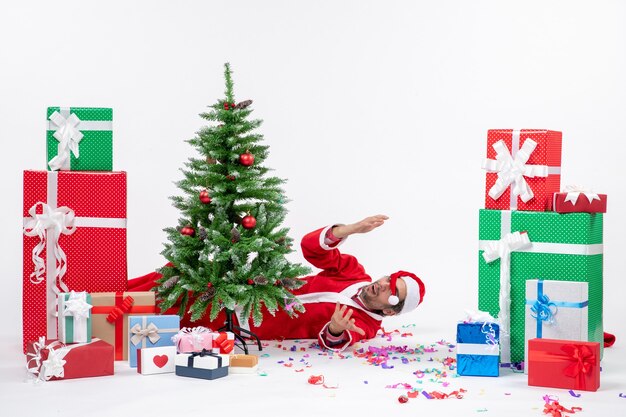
[340,279]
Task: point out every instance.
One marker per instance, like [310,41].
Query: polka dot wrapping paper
[547,153]
[95,147]
[564,247]
[94,254]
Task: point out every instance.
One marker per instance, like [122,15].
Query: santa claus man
[343,304]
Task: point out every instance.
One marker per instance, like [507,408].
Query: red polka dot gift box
[523,169]
[74,240]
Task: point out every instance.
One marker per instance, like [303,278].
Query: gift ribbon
[580,361]
[53,366]
[150,331]
[196,334]
[67,127]
[511,168]
[77,309]
[115,314]
[68,136]
[505,269]
[202,354]
[574,191]
[502,249]
[543,309]
[225,344]
[48,227]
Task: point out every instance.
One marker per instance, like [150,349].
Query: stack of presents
[78,317]
[540,269]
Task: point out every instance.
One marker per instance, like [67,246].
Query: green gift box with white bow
[79,138]
[74,317]
[516,246]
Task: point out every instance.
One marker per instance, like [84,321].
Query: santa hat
[414,290]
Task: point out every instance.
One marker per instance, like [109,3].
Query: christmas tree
[229,248]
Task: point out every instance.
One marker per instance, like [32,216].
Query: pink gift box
[189,340]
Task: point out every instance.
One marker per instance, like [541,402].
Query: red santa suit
[340,281]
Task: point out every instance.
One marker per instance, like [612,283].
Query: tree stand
[229,326]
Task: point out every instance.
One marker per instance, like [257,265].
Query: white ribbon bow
[53,366]
[513,170]
[574,191]
[49,226]
[77,306]
[151,332]
[479,316]
[68,136]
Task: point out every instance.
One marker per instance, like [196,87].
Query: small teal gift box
[478,349]
[74,317]
[150,331]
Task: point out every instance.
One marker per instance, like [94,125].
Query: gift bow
[53,366]
[77,306]
[49,226]
[223,342]
[503,247]
[151,332]
[543,309]
[68,136]
[197,335]
[118,312]
[574,191]
[557,410]
[513,170]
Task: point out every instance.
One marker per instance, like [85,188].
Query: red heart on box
[160,360]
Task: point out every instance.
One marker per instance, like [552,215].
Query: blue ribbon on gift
[543,309]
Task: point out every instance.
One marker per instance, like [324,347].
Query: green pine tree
[220,257]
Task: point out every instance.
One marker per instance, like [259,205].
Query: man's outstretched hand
[341,321]
[364,226]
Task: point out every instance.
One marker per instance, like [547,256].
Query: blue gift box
[478,349]
[150,331]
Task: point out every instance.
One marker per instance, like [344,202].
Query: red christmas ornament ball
[204,197]
[250,282]
[403,399]
[209,285]
[246,159]
[188,230]
[248,222]
[231,177]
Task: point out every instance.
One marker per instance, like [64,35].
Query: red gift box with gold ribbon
[74,240]
[109,316]
[568,364]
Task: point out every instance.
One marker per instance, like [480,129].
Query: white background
[368,107]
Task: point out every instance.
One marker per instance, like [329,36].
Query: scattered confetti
[403,399]
[427,395]
[412,394]
[556,410]
[365,382]
[622,395]
[573,394]
[481,410]
[400,385]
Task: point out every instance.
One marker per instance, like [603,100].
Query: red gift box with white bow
[567,364]
[523,169]
[579,200]
[51,360]
[74,240]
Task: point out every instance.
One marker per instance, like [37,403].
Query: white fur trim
[338,348]
[323,244]
[412,299]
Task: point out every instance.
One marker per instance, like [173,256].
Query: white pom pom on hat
[415,290]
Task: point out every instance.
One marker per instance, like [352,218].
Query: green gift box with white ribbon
[516,246]
[79,138]
[74,317]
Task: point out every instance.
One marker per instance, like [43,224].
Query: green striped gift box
[563,247]
[74,321]
[79,138]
